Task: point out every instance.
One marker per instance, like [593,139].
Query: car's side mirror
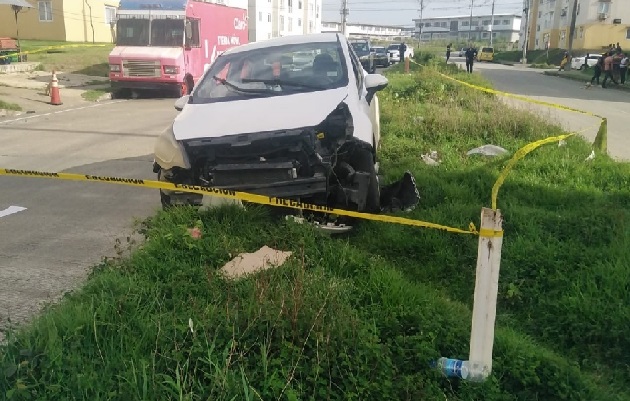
[373,84]
[181,102]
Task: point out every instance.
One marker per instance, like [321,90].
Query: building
[274,18]
[64,20]
[365,30]
[506,28]
[598,23]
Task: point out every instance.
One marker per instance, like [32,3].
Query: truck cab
[168,44]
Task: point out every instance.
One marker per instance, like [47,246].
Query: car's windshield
[273,71]
[361,47]
[132,32]
[393,47]
[487,50]
[379,50]
[143,32]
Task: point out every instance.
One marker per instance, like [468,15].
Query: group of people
[614,64]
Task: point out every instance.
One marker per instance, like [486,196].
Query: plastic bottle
[462,369]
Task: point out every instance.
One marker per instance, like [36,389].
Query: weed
[10,106]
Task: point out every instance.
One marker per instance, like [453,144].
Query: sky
[402,12]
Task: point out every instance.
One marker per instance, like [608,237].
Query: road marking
[61,111]
[11,210]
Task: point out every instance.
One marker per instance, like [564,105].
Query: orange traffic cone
[55,98]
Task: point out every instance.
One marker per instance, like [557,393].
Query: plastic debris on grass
[487,150]
[248,263]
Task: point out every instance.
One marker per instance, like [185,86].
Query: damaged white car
[294,117]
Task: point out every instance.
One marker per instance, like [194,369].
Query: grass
[360,317]
[9,106]
[533,56]
[542,66]
[79,60]
[94,94]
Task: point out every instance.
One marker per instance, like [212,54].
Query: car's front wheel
[363,161]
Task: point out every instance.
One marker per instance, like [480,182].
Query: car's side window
[358,70]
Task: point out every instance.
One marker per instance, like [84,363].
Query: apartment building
[66,20]
[364,30]
[274,18]
[502,27]
[598,23]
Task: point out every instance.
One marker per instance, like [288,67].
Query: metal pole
[526,34]
[344,18]
[470,23]
[492,24]
[572,32]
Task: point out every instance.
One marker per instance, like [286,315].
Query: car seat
[325,66]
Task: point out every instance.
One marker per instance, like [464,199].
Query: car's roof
[287,40]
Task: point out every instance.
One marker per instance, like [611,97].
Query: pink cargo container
[168,44]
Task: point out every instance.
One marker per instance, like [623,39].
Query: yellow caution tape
[243,196]
[44,49]
[600,140]
[488,233]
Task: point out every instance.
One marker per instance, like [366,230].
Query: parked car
[394,52]
[462,52]
[591,59]
[308,134]
[362,47]
[381,57]
[486,54]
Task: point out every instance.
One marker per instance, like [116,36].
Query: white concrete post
[486,289]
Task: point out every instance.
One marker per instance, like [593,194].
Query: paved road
[610,103]
[68,227]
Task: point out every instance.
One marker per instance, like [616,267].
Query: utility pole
[492,24]
[344,18]
[421,20]
[472,4]
[526,34]
[572,32]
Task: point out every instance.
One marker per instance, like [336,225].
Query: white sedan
[258,123]
[577,63]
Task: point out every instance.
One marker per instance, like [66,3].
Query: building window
[290,24]
[310,26]
[484,35]
[539,14]
[45,10]
[628,34]
[506,22]
[300,5]
[537,28]
[282,22]
[317,15]
[299,21]
[260,16]
[290,6]
[604,8]
[110,15]
[269,17]
[485,22]
[427,24]
[465,23]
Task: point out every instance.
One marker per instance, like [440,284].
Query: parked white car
[394,53]
[259,123]
[577,63]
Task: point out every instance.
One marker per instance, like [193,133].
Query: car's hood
[219,119]
[147,53]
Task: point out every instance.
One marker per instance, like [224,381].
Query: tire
[362,160]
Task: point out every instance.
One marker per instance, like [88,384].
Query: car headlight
[169,153]
[114,67]
[171,69]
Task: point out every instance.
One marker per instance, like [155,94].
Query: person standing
[402,49]
[597,70]
[471,53]
[608,70]
[448,51]
[623,68]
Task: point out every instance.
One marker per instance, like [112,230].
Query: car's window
[357,68]
[361,47]
[274,71]
[487,50]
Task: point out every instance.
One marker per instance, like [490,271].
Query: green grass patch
[542,66]
[533,56]
[10,106]
[94,94]
[80,60]
[361,317]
